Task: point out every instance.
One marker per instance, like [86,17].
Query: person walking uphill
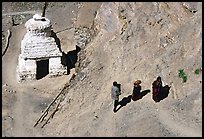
[136,90]
[115,92]
[156,88]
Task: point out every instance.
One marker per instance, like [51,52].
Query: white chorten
[40,55]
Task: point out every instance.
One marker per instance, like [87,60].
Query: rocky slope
[137,41]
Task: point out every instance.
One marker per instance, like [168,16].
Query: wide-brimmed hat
[136,82]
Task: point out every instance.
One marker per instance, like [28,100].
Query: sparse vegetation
[182,75]
[197,71]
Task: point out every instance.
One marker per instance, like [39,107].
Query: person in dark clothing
[115,92]
[156,88]
[136,90]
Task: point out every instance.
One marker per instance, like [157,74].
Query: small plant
[182,75]
[197,71]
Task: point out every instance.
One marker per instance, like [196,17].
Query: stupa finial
[44,8]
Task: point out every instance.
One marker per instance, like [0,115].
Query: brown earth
[131,41]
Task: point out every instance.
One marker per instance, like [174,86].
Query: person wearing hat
[136,90]
[115,92]
[156,89]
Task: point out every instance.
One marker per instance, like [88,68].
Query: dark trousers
[115,105]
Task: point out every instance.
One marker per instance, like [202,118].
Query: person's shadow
[124,102]
[127,99]
[142,94]
[164,93]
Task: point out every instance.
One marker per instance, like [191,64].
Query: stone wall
[33,47]
[26,69]
[55,68]
[38,44]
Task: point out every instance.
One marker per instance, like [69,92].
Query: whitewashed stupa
[40,56]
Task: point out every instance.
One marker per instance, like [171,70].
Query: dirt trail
[169,120]
[21,107]
[175,125]
[28,95]
[19,116]
[110,120]
[20,13]
[9,75]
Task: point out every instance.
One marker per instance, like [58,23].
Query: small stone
[5,85]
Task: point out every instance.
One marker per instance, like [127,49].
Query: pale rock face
[107,20]
[38,44]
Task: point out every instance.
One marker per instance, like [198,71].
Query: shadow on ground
[68,59]
[128,99]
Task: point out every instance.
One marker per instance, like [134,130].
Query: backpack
[119,87]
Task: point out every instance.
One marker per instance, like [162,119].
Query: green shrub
[182,75]
[197,71]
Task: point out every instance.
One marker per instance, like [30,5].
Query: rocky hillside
[137,41]
[124,42]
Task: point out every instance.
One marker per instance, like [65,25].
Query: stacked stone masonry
[37,45]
